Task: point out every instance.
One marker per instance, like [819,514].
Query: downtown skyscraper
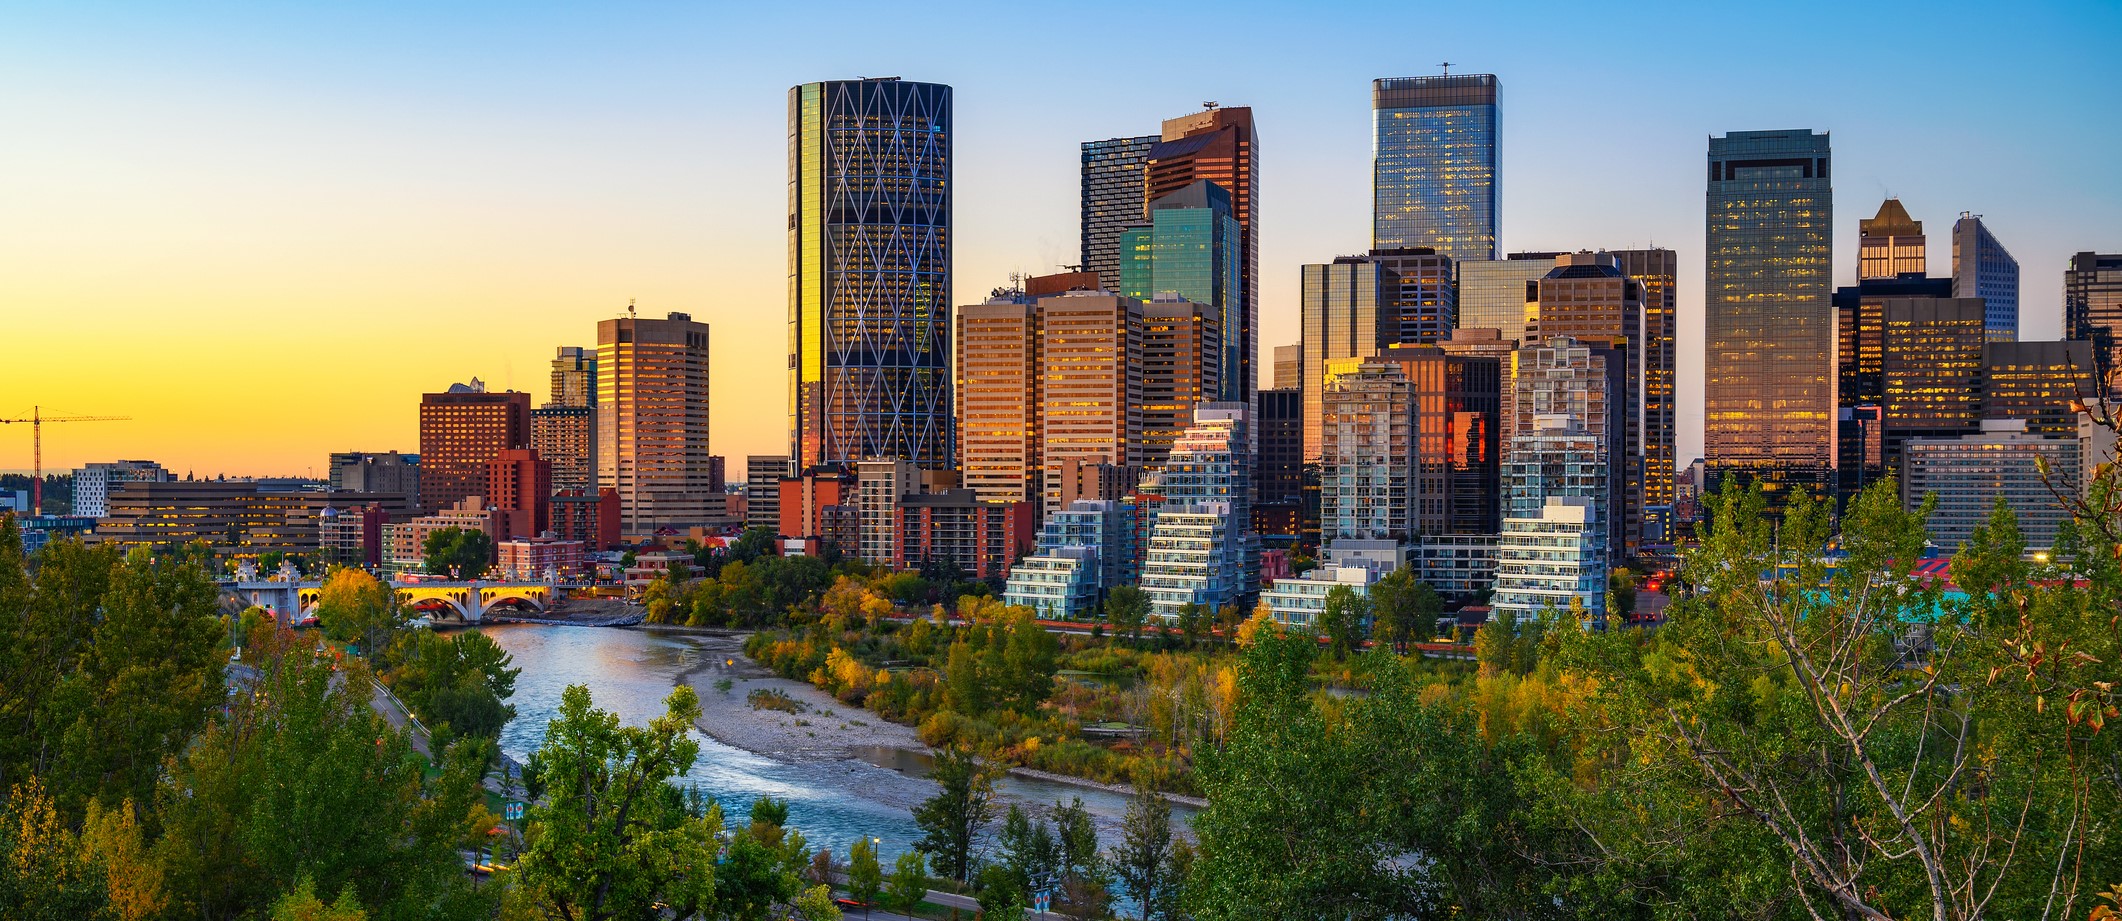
[869,272]
[1983,268]
[1222,146]
[1115,189]
[1769,327]
[652,421]
[1434,164]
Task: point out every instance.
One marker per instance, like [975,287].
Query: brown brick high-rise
[460,430]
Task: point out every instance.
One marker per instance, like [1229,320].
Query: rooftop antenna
[1447,65]
[629,308]
[1208,104]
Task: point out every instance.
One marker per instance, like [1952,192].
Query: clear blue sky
[287,222]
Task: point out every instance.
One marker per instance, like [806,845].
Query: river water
[629,672]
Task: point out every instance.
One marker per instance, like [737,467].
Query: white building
[1542,563]
[1200,551]
[1058,585]
[1299,601]
[94,483]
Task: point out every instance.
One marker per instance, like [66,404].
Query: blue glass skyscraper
[1192,247]
[1434,164]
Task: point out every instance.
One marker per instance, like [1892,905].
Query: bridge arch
[456,598]
[539,597]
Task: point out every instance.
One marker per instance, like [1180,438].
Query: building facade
[652,422]
[998,384]
[1983,268]
[460,430]
[1347,308]
[520,487]
[1191,249]
[2092,309]
[869,276]
[1434,164]
[1568,428]
[2039,382]
[94,483]
[955,526]
[1548,560]
[1769,326]
[566,436]
[1090,404]
[1588,298]
[1115,187]
[1891,244]
[1931,368]
[1222,146]
[1492,293]
[1658,271]
[1199,550]
[1969,473]
[762,490]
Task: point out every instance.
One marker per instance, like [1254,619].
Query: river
[630,671]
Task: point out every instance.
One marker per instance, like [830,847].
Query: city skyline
[503,189]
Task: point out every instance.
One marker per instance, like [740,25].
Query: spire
[1891,221]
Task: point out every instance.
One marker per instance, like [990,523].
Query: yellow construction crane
[36,421]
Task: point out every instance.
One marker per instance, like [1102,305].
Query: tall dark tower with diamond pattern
[869,325]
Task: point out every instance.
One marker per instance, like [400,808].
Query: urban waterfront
[630,671]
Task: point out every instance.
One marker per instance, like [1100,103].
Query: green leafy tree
[865,876]
[302,904]
[1343,619]
[147,685]
[1001,896]
[754,876]
[1143,859]
[1853,736]
[463,553]
[1192,624]
[1127,607]
[460,680]
[47,627]
[303,780]
[355,607]
[953,819]
[908,884]
[1077,837]
[1291,829]
[613,838]
[816,904]
[1029,851]
[1406,608]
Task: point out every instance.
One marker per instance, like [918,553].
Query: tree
[952,819]
[1127,607]
[1077,837]
[303,779]
[43,874]
[1029,852]
[1292,827]
[752,878]
[147,685]
[461,680]
[1143,859]
[613,838]
[1001,896]
[113,839]
[302,904]
[908,884]
[1879,750]
[354,607]
[1191,626]
[1406,608]
[461,553]
[865,878]
[1621,593]
[47,626]
[1343,619]
[816,904]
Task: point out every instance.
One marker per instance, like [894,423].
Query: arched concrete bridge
[468,601]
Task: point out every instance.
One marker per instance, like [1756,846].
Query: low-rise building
[1057,585]
[406,541]
[1970,473]
[1544,563]
[1458,566]
[235,518]
[1299,601]
[589,516]
[539,558]
[955,526]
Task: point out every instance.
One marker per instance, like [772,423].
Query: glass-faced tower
[869,207]
[1770,320]
[1433,174]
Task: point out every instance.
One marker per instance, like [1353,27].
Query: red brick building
[983,538]
[592,518]
[461,429]
[520,484]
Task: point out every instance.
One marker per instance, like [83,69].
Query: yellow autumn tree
[111,838]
